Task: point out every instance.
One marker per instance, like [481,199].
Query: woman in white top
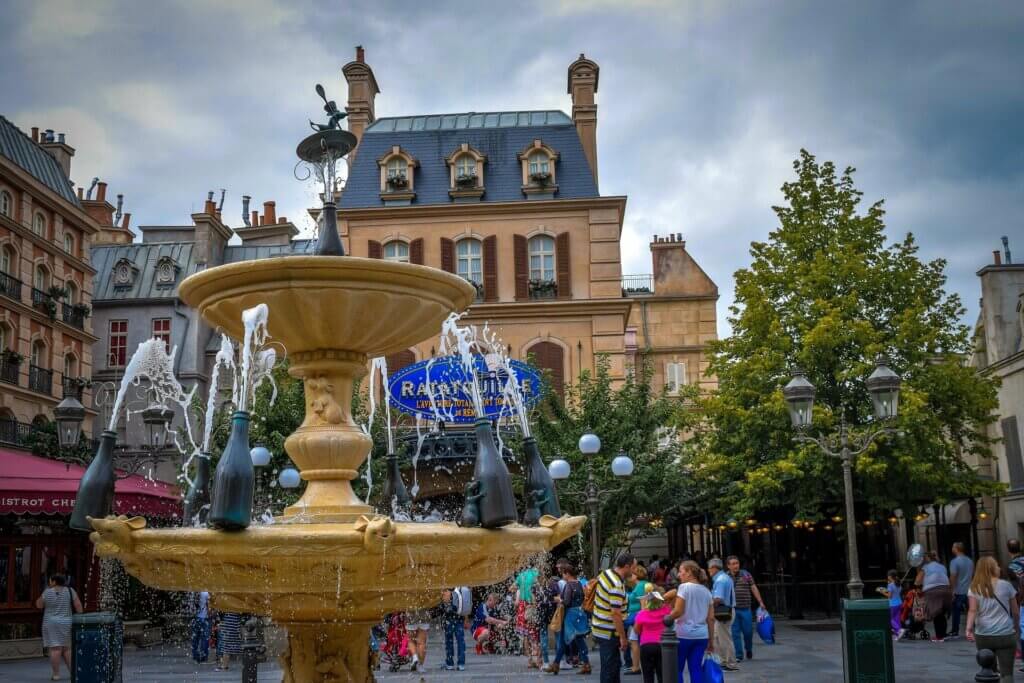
[58,602]
[993,617]
[938,596]
[695,619]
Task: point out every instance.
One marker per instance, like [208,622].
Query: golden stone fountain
[329,568]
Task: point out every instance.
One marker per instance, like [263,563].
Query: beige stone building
[510,201]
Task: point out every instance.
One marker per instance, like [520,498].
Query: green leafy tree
[42,440]
[826,293]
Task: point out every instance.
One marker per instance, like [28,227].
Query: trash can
[867,642]
[97,643]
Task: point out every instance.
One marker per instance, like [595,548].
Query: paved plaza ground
[800,655]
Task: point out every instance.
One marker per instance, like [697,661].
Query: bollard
[252,649]
[986,660]
[669,652]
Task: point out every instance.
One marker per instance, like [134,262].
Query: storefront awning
[30,485]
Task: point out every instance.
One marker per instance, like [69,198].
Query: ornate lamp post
[884,387]
[69,415]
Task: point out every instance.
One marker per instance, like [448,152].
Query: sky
[702,105]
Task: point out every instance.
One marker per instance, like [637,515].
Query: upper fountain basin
[361,305]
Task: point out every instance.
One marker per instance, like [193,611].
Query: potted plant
[11,357]
[466,180]
[56,292]
[540,177]
[81,310]
[543,289]
[398,181]
[81,382]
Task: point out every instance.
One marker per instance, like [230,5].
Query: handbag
[556,620]
[723,612]
[711,668]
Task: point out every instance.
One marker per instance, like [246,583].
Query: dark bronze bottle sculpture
[234,480]
[95,496]
[497,502]
[197,500]
[396,497]
[538,479]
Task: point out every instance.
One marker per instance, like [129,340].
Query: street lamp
[289,478]
[884,386]
[69,415]
[157,418]
[260,456]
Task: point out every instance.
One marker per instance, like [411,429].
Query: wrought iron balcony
[41,300]
[10,287]
[637,285]
[9,371]
[74,317]
[40,379]
[13,433]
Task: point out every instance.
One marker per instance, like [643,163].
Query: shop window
[162,331]
[117,343]
[396,251]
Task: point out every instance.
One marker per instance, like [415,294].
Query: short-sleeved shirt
[524,582]
[934,576]
[202,605]
[742,584]
[481,614]
[693,623]
[722,588]
[963,567]
[895,594]
[609,595]
[635,594]
[993,617]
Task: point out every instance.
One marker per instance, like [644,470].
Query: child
[452,620]
[895,595]
[648,627]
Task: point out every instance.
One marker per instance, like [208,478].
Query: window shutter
[522,267]
[416,251]
[491,268]
[562,266]
[373,249]
[447,255]
[549,356]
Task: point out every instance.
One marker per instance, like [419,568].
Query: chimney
[81,193]
[59,150]
[675,272]
[582,86]
[35,133]
[1006,249]
[101,191]
[996,258]
[362,91]
[269,213]
[245,209]
[120,205]
[255,219]
[126,220]
[209,207]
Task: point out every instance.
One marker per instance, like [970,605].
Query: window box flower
[465,180]
[543,289]
[82,310]
[398,181]
[540,177]
[56,293]
[12,357]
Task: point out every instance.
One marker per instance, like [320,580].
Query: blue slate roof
[36,161]
[501,136]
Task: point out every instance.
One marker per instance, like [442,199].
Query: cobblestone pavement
[804,656]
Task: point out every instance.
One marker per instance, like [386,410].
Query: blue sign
[440,388]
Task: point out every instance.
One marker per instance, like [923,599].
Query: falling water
[255,321]
[225,358]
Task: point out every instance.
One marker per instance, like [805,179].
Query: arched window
[42,279]
[465,165]
[39,225]
[539,162]
[69,242]
[396,251]
[5,337]
[470,263]
[70,365]
[397,361]
[6,204]
[38,357]
[396,167]
[542,258]
[72,293]
[8,261]
[551,357]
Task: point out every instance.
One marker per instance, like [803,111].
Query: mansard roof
[36,161]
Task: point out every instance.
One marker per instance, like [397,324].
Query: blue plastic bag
[765,626]
[712,669]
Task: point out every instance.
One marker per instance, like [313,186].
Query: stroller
[395,650]
[914,616]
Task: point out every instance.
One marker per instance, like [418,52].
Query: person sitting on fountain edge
[486,624]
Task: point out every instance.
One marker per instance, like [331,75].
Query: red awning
[30,484]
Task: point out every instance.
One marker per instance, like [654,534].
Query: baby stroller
[913,616]
[395,650]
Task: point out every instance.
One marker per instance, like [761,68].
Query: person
[695,620]
[894,594]
[574,623]
[452,620]
[201,628]
[1015,568]
[546,607]
[229,639]
[527,624]
[418,626]
[934,582]
[653,565]
[607,620]
[486,623]
[638,587]
[723,593]
[961,571]
[649,626]
[58,602]
[661,573]
[993,615]
[743,616]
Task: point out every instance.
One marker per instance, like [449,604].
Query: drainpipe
[184,337]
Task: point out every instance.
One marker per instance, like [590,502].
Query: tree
[827,294]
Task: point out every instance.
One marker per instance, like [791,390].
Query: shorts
[478,631]
[425,626]
[633,637]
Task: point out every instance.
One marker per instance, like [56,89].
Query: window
[42,279]
[38,354]
[39,225]
[118,343]
[396,167]
[542,258]
[69,365]
[465,166]
[72,293]
[69,242]
[4,337]
[7,260]
[162,330]
[6,204]
[396,251]
[539,163]
[469,260]
[675,377]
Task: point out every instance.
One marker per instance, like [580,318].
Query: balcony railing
[637,285]
[74,317]
[10,287]
[14,433]
[40,379]
[9,372]
[72,387]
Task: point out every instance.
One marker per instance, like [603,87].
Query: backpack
[463,599]
[589,594]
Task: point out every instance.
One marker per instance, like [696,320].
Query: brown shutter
[491,268]
[522,266]
[562,266]
[373,249]
[416,251]
[550,356]
[447,255]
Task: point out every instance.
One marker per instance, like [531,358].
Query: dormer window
[465,174]
[539,164]
[124,274]
[166,272]
[397,177]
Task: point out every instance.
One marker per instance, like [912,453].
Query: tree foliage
[826,293]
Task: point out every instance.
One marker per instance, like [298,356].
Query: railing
[9,372]
[41,299]
[14,433]
[634,285]
[72,387]
[40,379]
[808,598]
[10,287]
[74,317]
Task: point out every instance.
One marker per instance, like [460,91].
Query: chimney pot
[262,219]
[360,54]
[679,236]
[81,193]
[255,218]
[270,212]
[209,207]
[35,133]
[49,135]
[60,138]
[655,239]
[101,191]
[126,220]
[997,257]
[282,219]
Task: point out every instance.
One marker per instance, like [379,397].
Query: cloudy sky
[702,105]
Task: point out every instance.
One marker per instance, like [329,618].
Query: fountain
[328,568]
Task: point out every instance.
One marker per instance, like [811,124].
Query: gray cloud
[703,105]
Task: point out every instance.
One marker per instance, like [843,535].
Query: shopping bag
[765,626]
[556,620]
[711,668]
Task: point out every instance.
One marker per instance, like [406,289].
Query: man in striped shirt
[606,622]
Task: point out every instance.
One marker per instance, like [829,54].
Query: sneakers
[449,667]
[938,640]
[462,667]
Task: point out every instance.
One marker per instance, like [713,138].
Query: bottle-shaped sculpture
[396,497]
[539,479]
[95,496]
[497,501]
[197,500]
[234,480]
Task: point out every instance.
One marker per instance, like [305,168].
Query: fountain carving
[328,568]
